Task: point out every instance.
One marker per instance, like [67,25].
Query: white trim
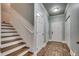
[5,24]
[58,41]
[10,38]
[4,30]
[11,43]
[8,34]
[71,51]
[42,6]
[66,8]
[12,50]
[35,53]
[6,27]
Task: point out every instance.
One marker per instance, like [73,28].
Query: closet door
[56,28]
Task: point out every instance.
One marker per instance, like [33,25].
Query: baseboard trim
[71,51]
[58,41]
[35,53]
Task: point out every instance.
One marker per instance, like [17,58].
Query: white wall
[59,19]
[0,28]
[23,27]
[39,8]
[4,13]
[26,10]
[73,11]
[67,31]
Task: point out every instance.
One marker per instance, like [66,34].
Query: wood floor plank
[28,53]
[16,53]
[11,47]
[10,32]
[4,42]
[8,28]
[6,25]
[9,36]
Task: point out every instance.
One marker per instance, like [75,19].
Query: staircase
[11,42]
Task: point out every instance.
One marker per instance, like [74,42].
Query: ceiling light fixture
[56,9]
[38,14]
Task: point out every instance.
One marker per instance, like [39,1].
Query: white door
[56,29]
[40,30]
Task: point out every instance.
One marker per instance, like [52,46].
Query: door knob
[52,32]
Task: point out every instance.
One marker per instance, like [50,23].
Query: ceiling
[55,8]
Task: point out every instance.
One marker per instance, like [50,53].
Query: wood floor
[54,49]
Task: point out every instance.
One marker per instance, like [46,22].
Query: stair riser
[4,42]
[11,47]
[10,38]
[11,43]
[8,34]
[5,22]
[3,30]
[15,49]
[23,53]
[7,25]
[7,29]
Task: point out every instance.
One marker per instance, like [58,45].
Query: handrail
[28,26]
[67,18]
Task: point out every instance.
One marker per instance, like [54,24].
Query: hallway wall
[22,26]
[26,10]
[5,14]
[0,29]
[61,20]
[41,34]
[0,11]
[73,11]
